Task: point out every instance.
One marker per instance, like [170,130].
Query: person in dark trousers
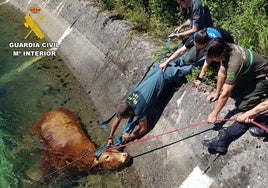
[137,104]
[241,76]
[200,39]
[199,18]
[259,114]
[221,142]
[145,94]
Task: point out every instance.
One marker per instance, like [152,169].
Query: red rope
[146,139]
[259,125]
[165,133]
[179,129]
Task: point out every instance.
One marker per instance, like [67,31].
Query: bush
[246,20]
[209,81]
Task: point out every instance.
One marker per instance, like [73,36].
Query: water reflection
[29,87]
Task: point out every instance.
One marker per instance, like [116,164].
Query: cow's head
[111,159]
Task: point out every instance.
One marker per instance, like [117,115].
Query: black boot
[219,144]
[257,132]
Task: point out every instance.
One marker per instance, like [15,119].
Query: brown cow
[64,142]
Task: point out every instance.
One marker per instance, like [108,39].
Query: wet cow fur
[63,141]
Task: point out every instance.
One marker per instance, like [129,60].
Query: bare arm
[188,32]
[254,112]
[114,126]
[220,82]
[184,33]
[174,56]
[204,69]
[139,132]
[185,24]
[224,96]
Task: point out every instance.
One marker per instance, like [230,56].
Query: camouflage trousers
[249,94]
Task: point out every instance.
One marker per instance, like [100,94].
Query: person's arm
[185,24]
[220,82]
[184,33]
[179,52]
[201,75]
[188,32]
[114,126]
[205,68]
[254,112]
[139,132]
[226,92]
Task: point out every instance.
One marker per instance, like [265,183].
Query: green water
[29,87]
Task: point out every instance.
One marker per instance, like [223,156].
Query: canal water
[29,87]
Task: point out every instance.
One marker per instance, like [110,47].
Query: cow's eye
[106,157]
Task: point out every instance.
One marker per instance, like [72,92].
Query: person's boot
[257,132]
[219,144]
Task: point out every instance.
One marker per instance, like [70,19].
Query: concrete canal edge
[108,60]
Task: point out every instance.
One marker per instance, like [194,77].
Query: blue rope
[101,150]
[130,125]
[169,40]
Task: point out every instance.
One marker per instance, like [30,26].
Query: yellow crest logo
[29,22]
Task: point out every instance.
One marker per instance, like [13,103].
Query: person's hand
[178,29]
[212,118]
[110,142]
[243,118]
[172,35]
[126,137]
[163,66]
[212,97]
[197,83]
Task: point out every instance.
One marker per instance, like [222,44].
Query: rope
[259,125]
[165,133]
[180,129]
[118,147]
[144,140]
[62,168]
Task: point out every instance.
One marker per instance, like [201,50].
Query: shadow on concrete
[158,107]
[218,126]
[172,143]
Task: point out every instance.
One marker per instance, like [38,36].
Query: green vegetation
[209,81]
[247,20]
[7,177]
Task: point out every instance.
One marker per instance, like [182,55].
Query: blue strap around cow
[101,150]
[130,125]
[118,141]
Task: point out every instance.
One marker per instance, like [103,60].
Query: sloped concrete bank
[108,60]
